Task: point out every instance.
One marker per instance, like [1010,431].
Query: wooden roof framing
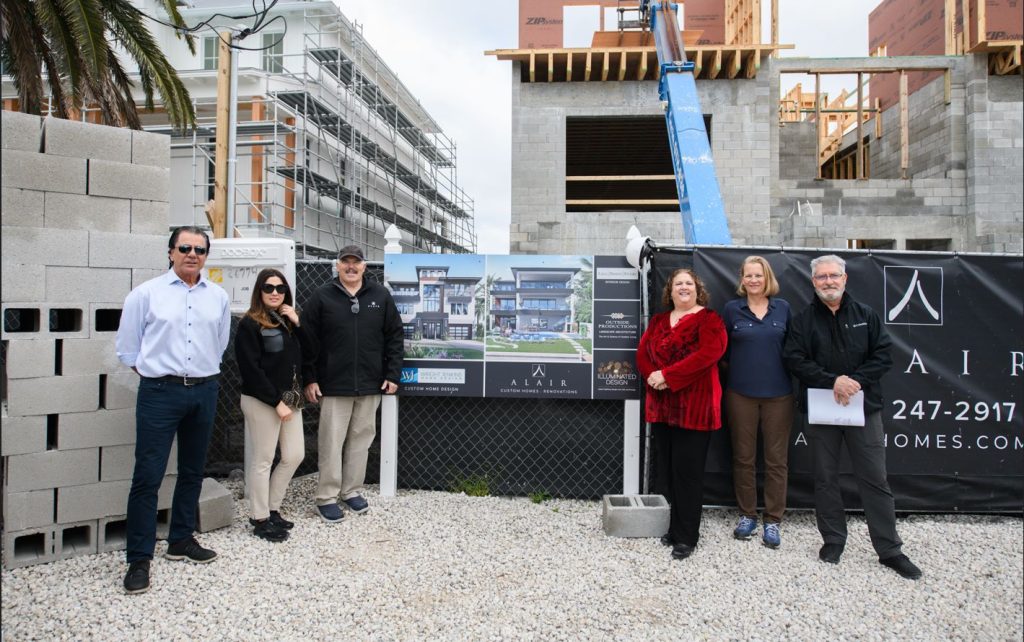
[634,63]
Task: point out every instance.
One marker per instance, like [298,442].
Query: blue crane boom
[700,201]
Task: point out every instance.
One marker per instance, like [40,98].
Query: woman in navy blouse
[759,392]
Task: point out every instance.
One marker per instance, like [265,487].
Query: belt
[186,381]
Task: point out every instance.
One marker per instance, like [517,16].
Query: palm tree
[74,42]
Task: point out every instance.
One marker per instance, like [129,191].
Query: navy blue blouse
[756,368]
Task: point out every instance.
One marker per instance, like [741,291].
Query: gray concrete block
[35,171]
[73,540]
[151,217]
[147,251]
[84,212]
[78,430]
[122,390]
[22,132]
[117,463]
[151,149]
[28,547]
[101,284]
[45,246]
[22,282]
[92,501]
[141,275]
[104,318]
[124,180]
[32,509]
[63,137]
[112,534]
[53,469]
[21,207]
[30,358]
[50,395]
[216,507]
[91,356]
[635,515]
[23,435]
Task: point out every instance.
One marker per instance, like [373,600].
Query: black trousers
[679,473]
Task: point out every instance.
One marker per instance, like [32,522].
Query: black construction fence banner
[953,414]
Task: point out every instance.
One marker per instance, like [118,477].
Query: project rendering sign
[562,327]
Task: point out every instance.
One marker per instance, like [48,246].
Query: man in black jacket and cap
[840,344]
[360,342]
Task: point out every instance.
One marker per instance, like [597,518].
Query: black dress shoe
[280,522]
[136,580]
[268,530]
[682,551]
[902,565]
[831,553]
[667,540]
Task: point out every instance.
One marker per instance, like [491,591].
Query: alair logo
[913,295]
[538,370]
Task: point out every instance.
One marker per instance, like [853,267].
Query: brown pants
[775,416]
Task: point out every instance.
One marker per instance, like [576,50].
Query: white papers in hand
[823,409]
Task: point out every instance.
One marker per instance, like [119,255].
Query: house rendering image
[436,306]
[538,299]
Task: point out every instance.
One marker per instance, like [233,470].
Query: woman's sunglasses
[268,288]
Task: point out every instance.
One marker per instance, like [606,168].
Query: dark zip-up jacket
[852,342]
[268,358]
[354,352]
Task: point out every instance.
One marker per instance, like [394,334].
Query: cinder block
[30,358]
[78,430]
[30,170]
[84,212]
[151,149]
[22,132]
[21,207]
[140,276]
[92,501]
[53,469]
[124,180]
[23,435]
[117,463]
[51,395]
[22,282]
[63,137]
[216,507]
[91,356]
[122,390]
[104,318]
[635,515]
[25,548]
[151,217]
[112,534]
[101,284]
[33,509]
[127,250]
[72,540]
[45,246]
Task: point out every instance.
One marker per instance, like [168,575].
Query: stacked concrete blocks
[84,216]
[635,515]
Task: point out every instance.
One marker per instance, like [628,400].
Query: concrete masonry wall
[84,220]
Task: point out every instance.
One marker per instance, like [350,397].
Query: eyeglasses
[355,304]
[269,288]
[821,278]
[185,249]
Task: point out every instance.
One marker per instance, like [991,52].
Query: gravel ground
[433,565]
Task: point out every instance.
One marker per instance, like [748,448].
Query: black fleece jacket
[268,358]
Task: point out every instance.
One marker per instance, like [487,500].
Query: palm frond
[171,6]
[21,57]
[84,19]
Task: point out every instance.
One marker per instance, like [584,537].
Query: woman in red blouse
[678,357]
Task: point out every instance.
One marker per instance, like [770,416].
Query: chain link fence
[559,447]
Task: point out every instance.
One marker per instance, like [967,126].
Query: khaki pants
[266,430]
[347,428]
[775,416]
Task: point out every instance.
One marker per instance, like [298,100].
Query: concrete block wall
[84,219]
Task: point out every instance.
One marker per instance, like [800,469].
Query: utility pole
[216,212]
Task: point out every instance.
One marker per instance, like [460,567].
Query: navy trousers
[165,409]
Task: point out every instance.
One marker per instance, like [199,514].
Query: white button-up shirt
[169,328]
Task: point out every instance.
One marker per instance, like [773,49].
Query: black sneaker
[191,550]
[280,522]
[269,531]
[136,580]
[902,565]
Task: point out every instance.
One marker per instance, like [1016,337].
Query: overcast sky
[437,49]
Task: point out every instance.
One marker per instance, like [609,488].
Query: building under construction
[922,153]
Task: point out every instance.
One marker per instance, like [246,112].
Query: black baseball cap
[351,250]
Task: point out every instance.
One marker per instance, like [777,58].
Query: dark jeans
[681,455]
[866,446]
[165,409]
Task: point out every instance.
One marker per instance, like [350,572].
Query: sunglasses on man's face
[268,288]
[185,249]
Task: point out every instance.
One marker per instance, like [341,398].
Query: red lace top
[687,356]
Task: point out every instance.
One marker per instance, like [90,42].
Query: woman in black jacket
[269,347]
